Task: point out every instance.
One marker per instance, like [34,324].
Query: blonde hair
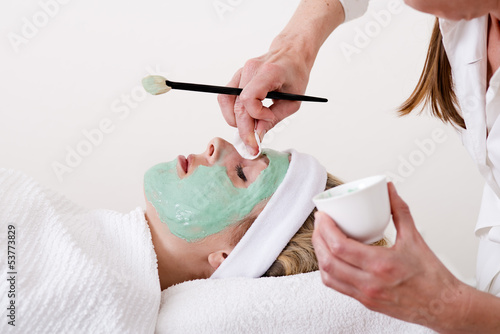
[298,256]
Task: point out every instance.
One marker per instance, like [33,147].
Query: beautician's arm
[285,67]
[406,281]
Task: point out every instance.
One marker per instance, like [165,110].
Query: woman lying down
[213,215]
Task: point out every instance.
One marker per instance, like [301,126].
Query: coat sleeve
[354,8]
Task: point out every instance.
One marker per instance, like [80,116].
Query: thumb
[403,221]
[262,127]
[246,126]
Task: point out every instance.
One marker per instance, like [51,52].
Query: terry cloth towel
[77,270]
[291,304]
[281,218]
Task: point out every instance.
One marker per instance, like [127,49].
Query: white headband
[282,217]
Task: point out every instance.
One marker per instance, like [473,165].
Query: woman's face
[455,9]
[202,194]
[241,172]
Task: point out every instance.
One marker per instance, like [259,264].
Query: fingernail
[261,135]
[251,150]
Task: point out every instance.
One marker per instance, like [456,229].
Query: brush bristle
[155,84]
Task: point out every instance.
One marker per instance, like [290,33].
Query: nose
[218,149]
[214,149]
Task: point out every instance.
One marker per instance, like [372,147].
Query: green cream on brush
[155,85]
[206,202]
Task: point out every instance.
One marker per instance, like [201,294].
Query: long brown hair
[435,87]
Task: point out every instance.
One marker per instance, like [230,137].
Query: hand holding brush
[156,85]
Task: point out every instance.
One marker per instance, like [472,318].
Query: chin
[446,9]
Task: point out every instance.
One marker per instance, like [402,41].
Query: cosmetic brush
[156,85]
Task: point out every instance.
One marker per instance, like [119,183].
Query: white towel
[78,271]
[282,217]
[292,304]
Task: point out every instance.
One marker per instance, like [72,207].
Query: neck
[171,269]
[495,9]
[493,46]
[493,6]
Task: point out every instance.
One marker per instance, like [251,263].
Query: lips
[183,163]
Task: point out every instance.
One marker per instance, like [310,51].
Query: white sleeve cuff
[354,8]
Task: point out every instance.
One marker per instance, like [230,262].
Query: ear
[215,259]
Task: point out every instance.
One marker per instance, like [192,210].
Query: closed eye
[239,172]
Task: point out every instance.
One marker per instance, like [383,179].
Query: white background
[80,65]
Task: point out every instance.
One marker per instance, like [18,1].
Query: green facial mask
[206,202]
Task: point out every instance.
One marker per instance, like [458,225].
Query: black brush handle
[237,91]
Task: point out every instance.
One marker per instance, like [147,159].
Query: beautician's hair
[435,86]
[298,256]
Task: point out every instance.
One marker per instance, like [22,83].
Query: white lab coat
[466,47]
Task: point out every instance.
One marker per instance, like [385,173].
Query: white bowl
[360,208]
